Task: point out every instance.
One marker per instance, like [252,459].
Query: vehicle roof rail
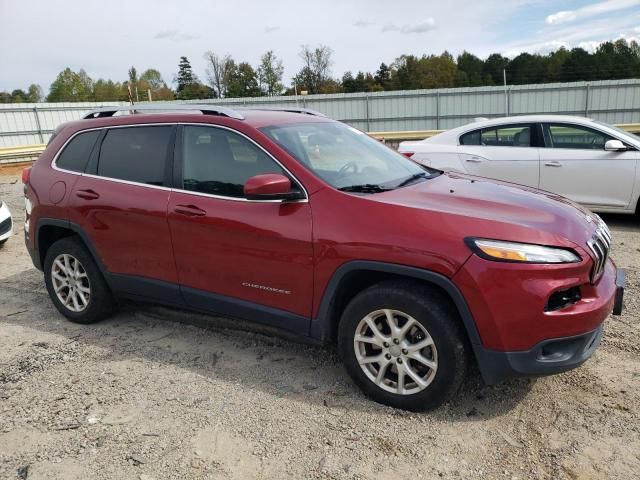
[164,108]
[305,111]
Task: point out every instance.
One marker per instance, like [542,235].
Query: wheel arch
[50,230]
[353,277]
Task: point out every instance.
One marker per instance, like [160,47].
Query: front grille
[600,244]
[5,226]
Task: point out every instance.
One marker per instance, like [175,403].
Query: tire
[2,242]
[428,317]
[93,299]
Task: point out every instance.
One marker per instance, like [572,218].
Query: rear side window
[136,154]
[503,136]
[75,155]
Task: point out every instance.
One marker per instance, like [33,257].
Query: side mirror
[270,186]
[614,146]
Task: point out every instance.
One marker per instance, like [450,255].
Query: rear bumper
[548,357]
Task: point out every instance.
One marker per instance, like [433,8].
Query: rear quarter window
[75,155]
[136,154]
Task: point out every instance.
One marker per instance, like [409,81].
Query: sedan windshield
[346,158]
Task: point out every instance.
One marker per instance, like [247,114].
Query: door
[120,202]
[505,152]
[575,164]
[232,253]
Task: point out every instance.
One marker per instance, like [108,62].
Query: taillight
[25,175]
[408,154]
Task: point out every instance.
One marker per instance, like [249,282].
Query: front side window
[345,157]
[574,137]
[136,154]
[75,155]
[219,162]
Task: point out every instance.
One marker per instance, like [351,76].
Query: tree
[219,69]
[34,93]
[243,81]
[494,66]
[70,86]
[270,74]
[185,76]
[133,76]
[316,70]
[153,79]
[383,76]
[473,68]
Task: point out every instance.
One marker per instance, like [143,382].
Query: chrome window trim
[159,187]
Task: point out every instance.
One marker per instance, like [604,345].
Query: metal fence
[613,101]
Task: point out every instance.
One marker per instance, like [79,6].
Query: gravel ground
[154,394]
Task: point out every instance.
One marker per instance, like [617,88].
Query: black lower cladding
[621,280]
[5,226]
[548,357]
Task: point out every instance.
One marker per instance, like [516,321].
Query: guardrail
[28,153]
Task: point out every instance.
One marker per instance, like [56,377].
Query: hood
[477,206]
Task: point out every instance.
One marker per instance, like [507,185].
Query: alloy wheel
[395,351]
[70,282]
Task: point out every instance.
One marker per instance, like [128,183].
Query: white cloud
[363,23]
[175,35]
[421,27]
[594,9]
[271,29]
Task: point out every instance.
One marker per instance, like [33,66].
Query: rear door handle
[474,159]
[189,211]
[553,164]
[87,194]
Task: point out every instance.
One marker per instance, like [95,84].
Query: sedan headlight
[500,251]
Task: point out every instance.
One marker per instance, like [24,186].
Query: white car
[6,223]
[590,162]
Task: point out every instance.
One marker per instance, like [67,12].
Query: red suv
[300,222]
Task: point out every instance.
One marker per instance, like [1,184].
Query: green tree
[243,81]
[188,84]
[494,66]
[34,93]
[270,74]
[70,86]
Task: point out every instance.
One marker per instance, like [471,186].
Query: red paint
[230,247]
[268,184]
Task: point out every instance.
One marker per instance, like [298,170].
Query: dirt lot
[151,394]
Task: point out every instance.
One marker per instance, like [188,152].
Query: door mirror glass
[270,186]
[614,146]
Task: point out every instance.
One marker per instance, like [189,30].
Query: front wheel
[75,283]
[403,345]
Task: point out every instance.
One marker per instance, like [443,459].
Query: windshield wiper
[411,179]
[364,188]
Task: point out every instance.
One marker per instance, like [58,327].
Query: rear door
[575,164]
[505,152]
[120,201]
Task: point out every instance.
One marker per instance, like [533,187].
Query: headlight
[520,252]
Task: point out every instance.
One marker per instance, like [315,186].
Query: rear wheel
[75,283]
[402,344]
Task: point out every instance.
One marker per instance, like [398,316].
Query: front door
[576,165]
[232,253]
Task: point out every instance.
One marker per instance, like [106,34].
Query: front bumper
[548,357]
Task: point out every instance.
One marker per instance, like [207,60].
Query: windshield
[346,158]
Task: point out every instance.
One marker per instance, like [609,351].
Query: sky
[38,39]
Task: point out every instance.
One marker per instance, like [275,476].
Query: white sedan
[6,223]
[590,162]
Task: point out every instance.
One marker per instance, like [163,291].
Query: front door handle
[189,210]
[553,164]
[87,194]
